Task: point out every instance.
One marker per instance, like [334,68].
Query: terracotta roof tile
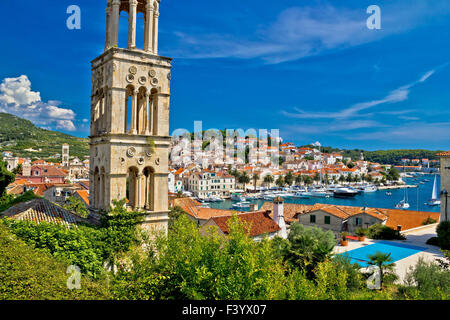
[259,223]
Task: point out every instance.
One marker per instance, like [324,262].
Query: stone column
[132,24]
[133,112]
[155,114]
[114,31]
[147,107]
[139,191]
[107,30]
[155,32]
[148,36]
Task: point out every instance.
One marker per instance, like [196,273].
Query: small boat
[345,193]
[389,193]
[242,204]
[434,201]
[368,188]
[302,195]
[402,205]
[237,197]
[320,193]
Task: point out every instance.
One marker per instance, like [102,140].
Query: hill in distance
[17,135]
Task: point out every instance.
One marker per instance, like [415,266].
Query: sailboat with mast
[434,201]
[404,203]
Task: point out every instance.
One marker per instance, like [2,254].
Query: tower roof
[278,200]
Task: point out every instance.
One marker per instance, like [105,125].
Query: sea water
[417,197]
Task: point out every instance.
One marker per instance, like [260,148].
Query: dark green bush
[382,232]
[427,280]
[433,241]
[29,274]
[443,232]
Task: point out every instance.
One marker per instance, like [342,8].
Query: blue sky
[310,68]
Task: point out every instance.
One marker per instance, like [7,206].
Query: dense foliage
[382,232]
[86,246]
[28,274]
[306,247]
[18,134]
[77,206]
[7,200]
[189,263]
[426,280]
[6,177]
[443,232]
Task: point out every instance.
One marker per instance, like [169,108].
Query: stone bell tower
[129,140]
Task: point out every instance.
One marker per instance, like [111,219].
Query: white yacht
[345,192]
[242,204]
[368,188]
[237,197]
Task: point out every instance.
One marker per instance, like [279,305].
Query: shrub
[382,232]
[190,265]
[428,220]
[86,246]
[443,232]
[308,246]
[361,232]
[28,274]
[433,241]
[426,280]
[7,201]
[343,264]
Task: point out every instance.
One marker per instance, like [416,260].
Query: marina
[384,197]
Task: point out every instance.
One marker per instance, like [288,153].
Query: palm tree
[383,262]
[255,178]
[298,179]
[289,178]
[268,179]
[244,178]
[280,181]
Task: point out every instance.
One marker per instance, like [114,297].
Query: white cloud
[16,97]
[65,125]
[398,95]
[300,32]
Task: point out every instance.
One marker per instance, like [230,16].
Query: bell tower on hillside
[129,139]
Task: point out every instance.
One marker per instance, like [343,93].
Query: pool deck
[417,237]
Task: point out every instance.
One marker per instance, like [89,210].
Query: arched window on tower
[149,191]
[123,27]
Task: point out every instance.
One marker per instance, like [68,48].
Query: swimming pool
[398,251]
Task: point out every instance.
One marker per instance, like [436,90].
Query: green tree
[384,263]
[77,206]
[280,181]
[443,234]
[289,178]
[308,246]
[298,179]
[6,177]
[255,178]
[244,178]
[268,179]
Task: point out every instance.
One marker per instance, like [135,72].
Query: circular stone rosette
[152,73]
[130,78]
[133,70]
[131,152]
[142,80]
[154,81]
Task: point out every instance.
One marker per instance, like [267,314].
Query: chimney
[278,216]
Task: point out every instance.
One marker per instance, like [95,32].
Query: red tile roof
[258,223]
[444,154]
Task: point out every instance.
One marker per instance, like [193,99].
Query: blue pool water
[398,251]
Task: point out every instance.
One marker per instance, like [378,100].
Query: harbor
[387,197]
